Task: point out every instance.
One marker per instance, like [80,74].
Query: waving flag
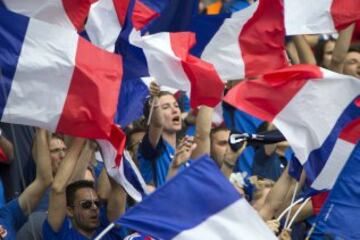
[247,43]
[208,208]
[66,13]
[325,16]
[104,22]
[339,216]
[305,104]
[168,59]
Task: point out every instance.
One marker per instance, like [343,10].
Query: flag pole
[105,231]
[151,111]
[288,208]
[297,213]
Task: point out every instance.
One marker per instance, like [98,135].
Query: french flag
[66,13]
[105,21]
[247,43]
[38,57]
[305,104]
[325,16]
[343,149]
[340,214]
[169,62]
[198,203]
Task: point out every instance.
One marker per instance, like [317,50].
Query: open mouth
[176,120]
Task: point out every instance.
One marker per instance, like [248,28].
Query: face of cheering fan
[171,113]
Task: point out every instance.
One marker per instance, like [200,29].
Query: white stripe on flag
[51,11]
[42,68]
[338,157]
[308,17]
[238,221]
[224,51]
[162,62]
[102,26]
[310,116]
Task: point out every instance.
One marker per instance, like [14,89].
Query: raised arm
[304,51]
[31,196]
[203,128]
[86,155]
[57,203]
[156,118]
[275,199]
[117,201]
[341,48]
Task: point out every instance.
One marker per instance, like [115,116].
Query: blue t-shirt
[66,231]
[155,162]
[12,218]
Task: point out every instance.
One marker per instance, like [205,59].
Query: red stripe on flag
[351,132]
[262,39]
[118,140]
[93,94]
[206,85]
[142,15]
[77,11]
[265,97]
[121,7]
[345,12]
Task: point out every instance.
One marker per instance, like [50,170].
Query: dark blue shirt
[66,231]
[155,162]
[12,218]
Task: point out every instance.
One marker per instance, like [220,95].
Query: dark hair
[218,129]
[147,105]
[72,188]
[57,135]
[354,48]
[131,132]
[319,50]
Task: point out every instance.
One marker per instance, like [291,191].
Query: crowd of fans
[68,195]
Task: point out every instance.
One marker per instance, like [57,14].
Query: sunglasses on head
[87,204]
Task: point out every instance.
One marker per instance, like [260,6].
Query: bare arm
[57,203]
[276,196]
[203,128]
[116,202]
[156,118]
[82,163]
[304,51]
[31,196]
[341,48]
[103,185]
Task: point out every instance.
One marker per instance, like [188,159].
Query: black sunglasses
[87,204]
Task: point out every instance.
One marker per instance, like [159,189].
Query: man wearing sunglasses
[74,210]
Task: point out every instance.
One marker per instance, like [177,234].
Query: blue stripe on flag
[185,201]
[340,214]
[133,91]
[131,176]
[176,17]
[317,158]
[156,5]
[12,34]
[205,28]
